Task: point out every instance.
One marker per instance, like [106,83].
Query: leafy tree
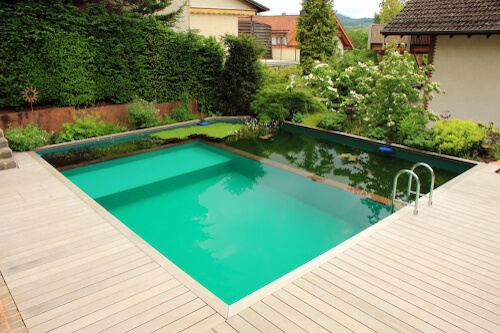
[141,7]
[388,9]
[243,74]
[316,32]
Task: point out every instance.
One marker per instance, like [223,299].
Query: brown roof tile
[446,16]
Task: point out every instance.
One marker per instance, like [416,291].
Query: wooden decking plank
[170,316]
[224,327]
[352,311]
[137,321]
[449,283]
[276,318]
[71,311]
[456,247]
[326,309]
[488,274]
[34,252]
[135,309]
[60,253]
[397,307]
[437,316]
[90,282]
[454,233]
[440,307]
[443,250]
[309,311]
[433,234]
[79,298]
[36,273]
[198,316]
[241,325]
[65,276]
[293,315]
[259,322]
[391,322]
[156,287]
[472,304]
[457,274]
[205,324]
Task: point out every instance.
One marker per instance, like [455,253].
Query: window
[281,41]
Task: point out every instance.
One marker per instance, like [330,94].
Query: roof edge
[260,8]
[442,32]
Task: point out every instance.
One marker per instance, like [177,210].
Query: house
[214,17]
[284,44]
[464,47]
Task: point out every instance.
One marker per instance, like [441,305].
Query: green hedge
[75,57]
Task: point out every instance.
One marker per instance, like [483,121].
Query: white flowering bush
[27,138]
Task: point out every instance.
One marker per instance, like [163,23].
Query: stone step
[3,143]
[1,133]
[5,153]
[9,163]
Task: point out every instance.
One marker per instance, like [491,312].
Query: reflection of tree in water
[251,170]
[369,171]
[379,211]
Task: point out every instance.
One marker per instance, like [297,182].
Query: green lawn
[217,130]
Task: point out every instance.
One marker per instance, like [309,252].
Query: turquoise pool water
[231,223]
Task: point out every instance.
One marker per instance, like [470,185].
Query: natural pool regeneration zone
[231,223]
[348,161]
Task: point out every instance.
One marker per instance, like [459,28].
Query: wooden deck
[69,267]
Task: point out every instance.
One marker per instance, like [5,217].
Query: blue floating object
[386,149]
[203,123]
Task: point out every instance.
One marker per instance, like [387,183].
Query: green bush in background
[143,114]
[332,121]
[75,57]
[458,137]
[27,138]
[86,127]
[277,103]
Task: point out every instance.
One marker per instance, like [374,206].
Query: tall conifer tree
[316,32]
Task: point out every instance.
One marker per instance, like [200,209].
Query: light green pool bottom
[231,223]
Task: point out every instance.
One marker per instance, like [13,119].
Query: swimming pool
[232,223]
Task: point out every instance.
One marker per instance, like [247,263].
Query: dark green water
[348,161]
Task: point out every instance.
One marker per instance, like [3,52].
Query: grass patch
[217,130]
[312,119]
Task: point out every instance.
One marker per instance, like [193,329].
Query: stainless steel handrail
[407,202]
[433,180]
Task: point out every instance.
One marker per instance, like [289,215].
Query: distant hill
[350,24]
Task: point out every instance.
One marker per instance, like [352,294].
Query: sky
[351,8]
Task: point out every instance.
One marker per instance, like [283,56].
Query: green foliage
[80,57]
[242,75]
[316,31]
[279,104]
[143,114]
[217,130]
[388,9]
[88,126]
[458,137]
[413,132]
[312,119]
[182,113]
[274,75]
[27,138]
[332,121]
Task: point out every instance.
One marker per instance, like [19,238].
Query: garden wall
[51,119]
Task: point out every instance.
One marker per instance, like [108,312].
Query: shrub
[242,75]
[183,112]
[87,127]
[278,103]
[143,114]
[458,137]
[27,138]
[332,121]
[413,132]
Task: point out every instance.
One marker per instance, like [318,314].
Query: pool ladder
[413,175]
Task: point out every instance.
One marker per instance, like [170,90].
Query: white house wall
[469,71]
[222,4]
[214,25]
